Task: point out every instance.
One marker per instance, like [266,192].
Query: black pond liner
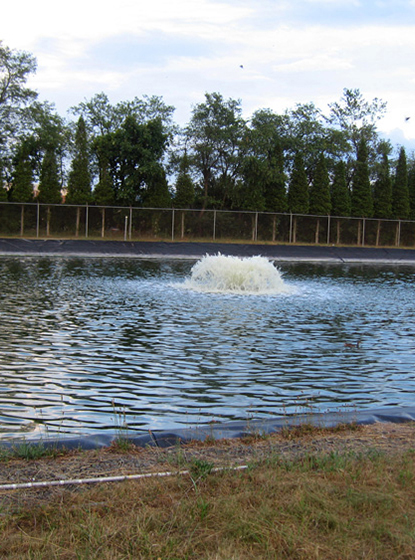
[289,253]
[227,430]
[185,250]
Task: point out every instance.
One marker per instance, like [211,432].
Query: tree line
[132,153]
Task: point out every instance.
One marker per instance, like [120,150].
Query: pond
[91,344]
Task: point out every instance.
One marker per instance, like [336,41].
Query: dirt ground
[389,438]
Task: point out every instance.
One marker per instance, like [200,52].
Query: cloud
[302,51]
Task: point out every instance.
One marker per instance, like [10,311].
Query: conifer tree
[79,181]
[298,197]
[411,189]
[22,183]
[400,192]
[104,194]
[3,191]
[185,191]
[383,190]
[340,196]
[362,201]
[320,203]
[49,184]
[275,187]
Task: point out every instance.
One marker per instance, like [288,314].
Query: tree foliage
[400,192]
[362,201]
[79,181]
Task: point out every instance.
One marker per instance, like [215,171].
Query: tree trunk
[182,227]
[378,233]
[398,234]
[294,239]
[274,228]
[48,221]
[78,221]
[359,232]
[102,222]
[22,221]
[338,231]
[317,235]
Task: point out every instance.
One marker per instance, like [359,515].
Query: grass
[325,506]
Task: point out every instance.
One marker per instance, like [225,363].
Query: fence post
[256,226]
[172,224]
[363,231]
[130,226]
[290,238]
[328,229]
[214,225]
[37,220]
[125,227]
[86,219]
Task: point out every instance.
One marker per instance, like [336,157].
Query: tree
[215,142]
[411,188]
[134,153]
[320,202]
[400,192]
[252,189]
[356,118]
[362,200]
[382,193]
[79,181]
[103,194]
[298,196]
[340,196]
[185,190]
[22,182]
[49,184]
[15,97]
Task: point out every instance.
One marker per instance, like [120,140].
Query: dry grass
[327,505]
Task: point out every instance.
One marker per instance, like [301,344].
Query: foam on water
[226,274]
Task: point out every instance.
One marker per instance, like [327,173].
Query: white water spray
[250,275]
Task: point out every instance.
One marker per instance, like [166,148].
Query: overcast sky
[268,53]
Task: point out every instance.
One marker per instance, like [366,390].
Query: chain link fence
[132,224]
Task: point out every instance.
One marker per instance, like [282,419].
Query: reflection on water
[83,341]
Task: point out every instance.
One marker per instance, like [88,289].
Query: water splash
[225,274]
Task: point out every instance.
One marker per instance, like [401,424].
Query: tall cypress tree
[340,195]
[411,189]
[79,180]
[22,183]
[49,184]
[298,197]
[104,194]
[320,203]
[320,200]
[275,189]
[383,190]
[400,192]
[362,200]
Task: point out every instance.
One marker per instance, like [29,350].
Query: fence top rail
[207,210]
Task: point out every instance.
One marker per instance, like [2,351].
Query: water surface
[86,344]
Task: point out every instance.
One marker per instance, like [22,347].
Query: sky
[267,53]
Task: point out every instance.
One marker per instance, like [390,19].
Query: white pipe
[44,484]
